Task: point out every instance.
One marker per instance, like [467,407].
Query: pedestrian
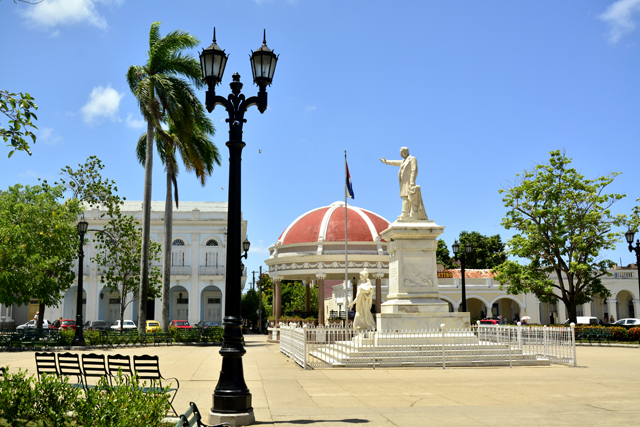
[36,316]
[612,320]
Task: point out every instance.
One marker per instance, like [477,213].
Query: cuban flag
[349,187]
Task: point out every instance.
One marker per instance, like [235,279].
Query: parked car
[584,320]
[628,323]
[31,324]
[204,324]
[153,326]
[490,321]
[180,324]
[128,324]
[95,325]
[68,324]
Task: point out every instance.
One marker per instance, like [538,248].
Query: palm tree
[161,93]
[198,153]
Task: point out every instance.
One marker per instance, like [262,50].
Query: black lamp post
[463,257]
[629,237]
[231,397]
[78,340]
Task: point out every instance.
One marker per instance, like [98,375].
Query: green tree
[294,299]
[267,294]
[38,245]
[250,304]
[562,222]
[118,257]
[87,185]
[442,255]
[19,110]
[162,93]
[488,251]
[198,153]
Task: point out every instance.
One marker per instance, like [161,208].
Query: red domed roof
[327,224]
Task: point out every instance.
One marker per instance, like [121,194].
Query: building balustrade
[208,270]
[180,270]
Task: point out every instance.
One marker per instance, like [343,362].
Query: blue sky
[478,91]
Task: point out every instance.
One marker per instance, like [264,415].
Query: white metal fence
[484,345]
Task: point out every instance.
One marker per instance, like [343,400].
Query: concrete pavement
[604,390]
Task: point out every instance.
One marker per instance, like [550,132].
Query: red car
[490,321]
[180,324]
[64,324]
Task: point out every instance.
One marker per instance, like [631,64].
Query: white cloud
[259,248]
[51,13]
[103,103]
[310,108]
[136,124]
[620,17]
[49,136]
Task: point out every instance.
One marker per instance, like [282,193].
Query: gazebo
[312,249]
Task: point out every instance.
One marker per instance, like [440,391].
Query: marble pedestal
[414,299]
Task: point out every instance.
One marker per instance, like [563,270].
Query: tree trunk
[146,231]
[168,237]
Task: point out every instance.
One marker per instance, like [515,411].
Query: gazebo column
[354,286]
[277,303]
[320,283]
[378,291]
[307,301]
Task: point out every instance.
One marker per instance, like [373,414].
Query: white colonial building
[198,256]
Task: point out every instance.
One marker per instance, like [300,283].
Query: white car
[128,324]
[31,324]
[629,323]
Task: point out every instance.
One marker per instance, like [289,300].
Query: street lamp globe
[245,245]
[213,61]
[629,236]
[82,227]
[468,248]
[455,247]
[263,64]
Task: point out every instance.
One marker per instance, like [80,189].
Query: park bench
[69,366]
[46,364]
[148,368]
[161,337]
[193,418]
[119,363]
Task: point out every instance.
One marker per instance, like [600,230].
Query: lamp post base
[238,419]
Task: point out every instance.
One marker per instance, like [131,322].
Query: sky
[479,91]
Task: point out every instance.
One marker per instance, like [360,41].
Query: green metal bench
[193,418]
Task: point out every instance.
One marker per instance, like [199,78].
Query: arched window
[178,242]
[212,255]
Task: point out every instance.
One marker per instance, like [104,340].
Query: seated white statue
[364,298]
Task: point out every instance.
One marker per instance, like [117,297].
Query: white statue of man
[412,205]
[364,298]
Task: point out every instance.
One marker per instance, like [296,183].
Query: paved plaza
[604,389]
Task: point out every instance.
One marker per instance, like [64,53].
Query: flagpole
[346,256]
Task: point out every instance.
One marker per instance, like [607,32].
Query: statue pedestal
[414,300]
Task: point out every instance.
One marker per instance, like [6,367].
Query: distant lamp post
[245,247]
[78,340]
[231,397]
[629,237]
[463,258]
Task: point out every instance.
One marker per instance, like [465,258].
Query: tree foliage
[562,222]
[38,244]
[442,255]
[488,251]
[19,109]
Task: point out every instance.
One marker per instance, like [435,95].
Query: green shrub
[126,403]
[16,398]
[633,334]
[618,333]
[54,399]
[67,337]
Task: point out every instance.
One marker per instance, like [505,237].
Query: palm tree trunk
[146,231]
[168,237]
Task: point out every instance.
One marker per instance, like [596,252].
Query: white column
[562,312]
[194,293]
[636,308]
[611,308]
[586,309]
